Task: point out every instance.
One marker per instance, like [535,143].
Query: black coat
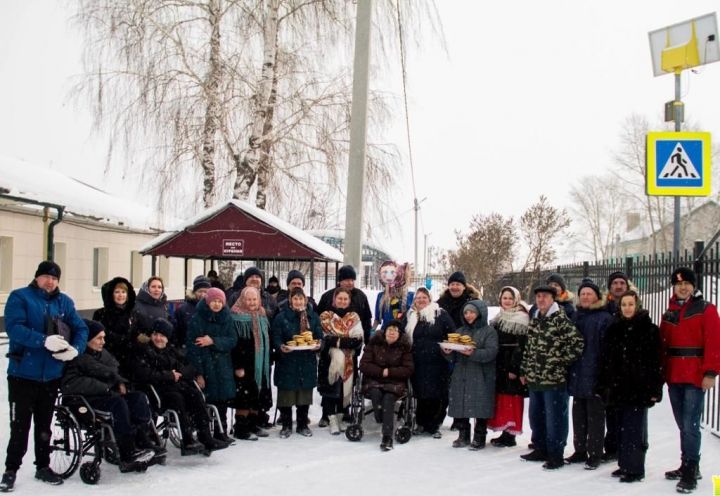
[92,374]
[631,363]
[147,310]
[431,379]
[151,365]
[117,321]
[358,304]
[454,306]
[592,323]
[183,316]
[511,340]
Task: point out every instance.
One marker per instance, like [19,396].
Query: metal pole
[677,117]
[425,257]
[358,137]
[417,211]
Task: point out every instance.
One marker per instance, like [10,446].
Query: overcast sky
[529,98]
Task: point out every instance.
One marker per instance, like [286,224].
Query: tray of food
[458,342]
[303,341]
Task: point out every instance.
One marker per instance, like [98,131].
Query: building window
[6,263]
[100,266]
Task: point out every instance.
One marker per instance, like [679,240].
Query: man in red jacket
[691,342]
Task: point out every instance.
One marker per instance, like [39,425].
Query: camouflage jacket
[553,344]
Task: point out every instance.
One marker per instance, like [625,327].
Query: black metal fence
[651,276]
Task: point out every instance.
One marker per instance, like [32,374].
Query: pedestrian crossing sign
[678,163]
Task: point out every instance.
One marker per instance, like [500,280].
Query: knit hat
[273,279]
[457,277]
[295,274]
[558,279]
[164,327]
[252,271]
[346,272]
[214,294]
[588,283]
[201,282]
[544,288]
[472,308]
[94,328]
[48,268]
[617,275]
[394,323]
[683,274]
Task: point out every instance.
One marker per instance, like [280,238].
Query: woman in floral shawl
[511,324]
[251,363]
[342,340]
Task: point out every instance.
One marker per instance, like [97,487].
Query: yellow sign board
[678,164]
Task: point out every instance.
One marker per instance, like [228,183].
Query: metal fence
[651,276]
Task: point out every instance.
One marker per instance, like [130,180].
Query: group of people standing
[220,347]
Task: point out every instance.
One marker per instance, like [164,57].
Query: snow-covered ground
[326,464]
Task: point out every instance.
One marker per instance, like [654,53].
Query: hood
[107,293]
[481,321]
[145,297]
[598,305]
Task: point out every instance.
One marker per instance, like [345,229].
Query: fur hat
[94,328]
[557,279]
[201,282]
[394,323]
[544,288]
[164,327]
[48,268]
[214,294]
[295,274]
[252,271]
[683,274]
[617,275]
[588,283]
[457,277]
[346,272]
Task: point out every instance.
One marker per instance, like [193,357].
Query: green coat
[553,344]
[294,370]
[213,362]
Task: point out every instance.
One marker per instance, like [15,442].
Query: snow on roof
[340,234]
[296,233]
[33,182]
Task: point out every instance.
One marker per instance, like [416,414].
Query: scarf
[427,314]
[341,360]
[514,320]
[254,323]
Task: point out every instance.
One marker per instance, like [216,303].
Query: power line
[405,97]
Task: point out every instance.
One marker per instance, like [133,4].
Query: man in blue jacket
[45,331]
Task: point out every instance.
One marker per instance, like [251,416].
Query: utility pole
[416,207]
[425,258]
[358,137]
[678,118]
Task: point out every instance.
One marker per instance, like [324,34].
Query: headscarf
[514,320]
[260,339]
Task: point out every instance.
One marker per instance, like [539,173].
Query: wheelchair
[405,410]
[79,430]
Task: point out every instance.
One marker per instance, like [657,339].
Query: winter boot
[303,421]
[191,447]
[505,440]
[286,421]
[221,435]
[677,474]
[255,428]
[145,439]
[46,475]
[534,456]
[7,484]
[241,430]
[335,424]
[576,457]
[264,420]
[479,435]
[387,443]
[324,422]
[688,480]
[132,459]
[554,463]
[463,439]
[208,441]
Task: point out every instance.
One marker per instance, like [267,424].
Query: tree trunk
[213,110]
[265,166]
[255,156]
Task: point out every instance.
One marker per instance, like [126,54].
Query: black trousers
[588,416]
[190,406]
[384,409]
[30,400]
[430,413]
[633,443]
[129,410]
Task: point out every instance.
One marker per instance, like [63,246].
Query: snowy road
[325,465]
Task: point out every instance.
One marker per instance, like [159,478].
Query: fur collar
[427,314]
[598,305]
[470,293]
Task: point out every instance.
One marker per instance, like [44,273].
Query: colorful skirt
[508,414]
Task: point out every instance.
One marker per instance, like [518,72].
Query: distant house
[96,236]
[700,224]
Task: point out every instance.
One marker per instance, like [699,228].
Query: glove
[143,338]
[55,343]
[66,355]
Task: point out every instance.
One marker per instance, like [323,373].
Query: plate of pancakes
[302,341]
[458,342]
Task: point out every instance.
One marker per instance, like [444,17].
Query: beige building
[97,238]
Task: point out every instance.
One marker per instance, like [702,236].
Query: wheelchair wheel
[90,472]
[173,429]
[354,432]
[66,445]
[403,434]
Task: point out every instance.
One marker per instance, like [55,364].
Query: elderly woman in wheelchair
[170,381]
[92,385]
[386,364]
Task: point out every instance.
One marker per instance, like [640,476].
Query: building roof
[238,230]
[26,181]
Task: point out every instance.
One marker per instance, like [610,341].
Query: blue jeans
[687,404]
[548,415]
